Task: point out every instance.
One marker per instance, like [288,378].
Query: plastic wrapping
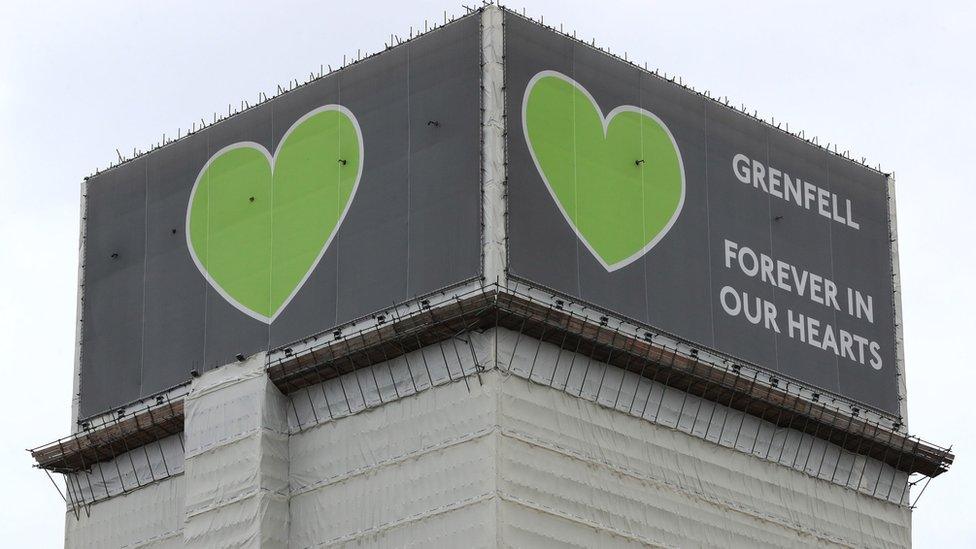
[237,459]
[148,518]
[402,430]
[486,448]
[437,481]
[607,385]
[444,362]
[586,472]
[493,153]
[575,463]
[896,283]
[257,521]
[129,471]
[229,403]
[625,391]
[484,439]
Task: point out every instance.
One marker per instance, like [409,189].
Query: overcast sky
[891,81]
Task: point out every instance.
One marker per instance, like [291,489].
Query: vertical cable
[708,232]
[338,236]
[409,151]
[271,216]
[206,260]
[769,224]
[643,259]
[145,277]
[576,218]
[830,257]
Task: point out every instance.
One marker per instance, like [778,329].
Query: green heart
[618,180]
[257,224]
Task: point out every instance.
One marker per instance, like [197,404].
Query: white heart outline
[272,161]
[606,124]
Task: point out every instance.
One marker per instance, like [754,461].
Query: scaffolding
[115,450]
[651,366]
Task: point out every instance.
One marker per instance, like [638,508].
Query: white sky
[889,80]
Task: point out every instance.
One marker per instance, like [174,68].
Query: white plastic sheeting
[896,283]
[551,467]
[574,472]
[228,404]
[394,467]
[627,392]
[260,520]
[79,309]
[442,448]
[445,362]
[148,518]
[128,471]
[236,459]
[607,385]
[493,146]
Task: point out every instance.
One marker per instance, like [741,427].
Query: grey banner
[413,227]
[777,242]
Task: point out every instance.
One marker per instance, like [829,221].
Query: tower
[490,286]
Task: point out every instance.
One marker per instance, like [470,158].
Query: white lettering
[865,307]
[759,175]
[740,165]
[793,189]
[830,291]
[837,217]
[776,182]
[783,186]
[809,194]
[823,200]
[850,217]
[767,269]
[747,253]
[759,311]
[816,286]
[829,341]
[730,252]
[846,345]
[876,355]
[769,315]
[861,342]
[733,308]
[795,323]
